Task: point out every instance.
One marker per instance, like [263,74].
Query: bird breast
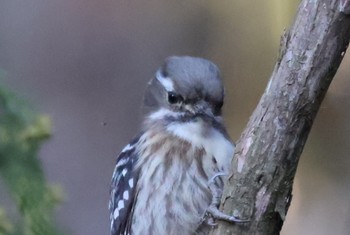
[175,167]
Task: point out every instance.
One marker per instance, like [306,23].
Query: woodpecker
[168,180]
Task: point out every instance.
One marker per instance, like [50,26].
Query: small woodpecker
[168,180]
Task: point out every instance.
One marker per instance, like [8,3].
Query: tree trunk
[268,151]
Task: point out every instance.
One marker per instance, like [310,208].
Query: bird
[169,178]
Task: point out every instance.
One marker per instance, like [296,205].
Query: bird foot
[211,222]
[212,179]
[213,212]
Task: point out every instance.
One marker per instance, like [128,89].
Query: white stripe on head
[160,114]
[165,81]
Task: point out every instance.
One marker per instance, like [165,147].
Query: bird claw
[211,222]
[215,213]
[213,210]
[212,179]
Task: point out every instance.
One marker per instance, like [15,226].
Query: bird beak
[203,109]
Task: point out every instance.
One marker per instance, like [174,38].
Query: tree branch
[268,151]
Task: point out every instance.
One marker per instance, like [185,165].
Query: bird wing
[122,192]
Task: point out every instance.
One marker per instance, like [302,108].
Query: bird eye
[173,98]
[217,108]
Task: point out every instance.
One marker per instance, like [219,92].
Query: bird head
[185,87]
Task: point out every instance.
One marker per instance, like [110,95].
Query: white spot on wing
[116,213]
[122,162]
[126,195]
[127,148]
[120,204]
[131,182]
[124,171]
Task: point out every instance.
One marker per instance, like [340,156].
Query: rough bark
[268,151]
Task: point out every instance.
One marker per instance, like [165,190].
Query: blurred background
[86,63]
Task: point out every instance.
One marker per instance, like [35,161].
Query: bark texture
[268,151]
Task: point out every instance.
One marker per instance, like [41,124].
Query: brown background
[86,62]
